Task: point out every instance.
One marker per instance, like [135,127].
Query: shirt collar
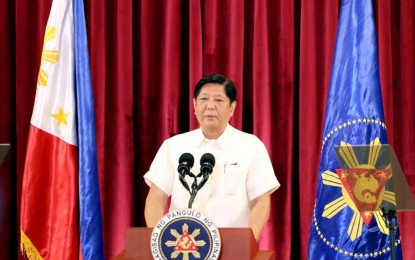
[223,140]
[199,137]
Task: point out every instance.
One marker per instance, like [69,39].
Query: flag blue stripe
[355,66]
[354,114]
[92,245]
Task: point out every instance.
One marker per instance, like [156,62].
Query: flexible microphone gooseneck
[207,162]
[186,161]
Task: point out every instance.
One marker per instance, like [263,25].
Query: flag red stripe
[50,196]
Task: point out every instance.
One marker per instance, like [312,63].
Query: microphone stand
[193,189]
[196,187]
[206,166]
[389,215]
[193,192]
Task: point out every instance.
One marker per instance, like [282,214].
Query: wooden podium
[237,243]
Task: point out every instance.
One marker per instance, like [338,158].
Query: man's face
[213,108]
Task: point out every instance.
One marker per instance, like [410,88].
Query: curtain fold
[146,57]
[402,94]
[111,51]
[7,134]
[317,35]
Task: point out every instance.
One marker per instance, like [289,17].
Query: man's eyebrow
[215,95]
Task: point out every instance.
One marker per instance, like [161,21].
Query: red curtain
[147,55]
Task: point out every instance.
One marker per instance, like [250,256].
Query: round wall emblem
[185,234]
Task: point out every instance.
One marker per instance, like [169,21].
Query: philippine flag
[60,206]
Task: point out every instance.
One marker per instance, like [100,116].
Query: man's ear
[233,106]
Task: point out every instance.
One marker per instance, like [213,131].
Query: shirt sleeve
[261,175]
[161,172]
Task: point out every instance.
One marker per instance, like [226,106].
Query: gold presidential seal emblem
[185,234]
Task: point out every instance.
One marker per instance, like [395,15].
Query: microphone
[186,162]
[207,162]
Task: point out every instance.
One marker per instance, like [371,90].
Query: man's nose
[211,104]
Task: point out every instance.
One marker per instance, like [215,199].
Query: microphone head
[207,158]
[188,158]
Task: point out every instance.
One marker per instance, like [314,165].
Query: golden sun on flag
[363,189]
[50,56]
